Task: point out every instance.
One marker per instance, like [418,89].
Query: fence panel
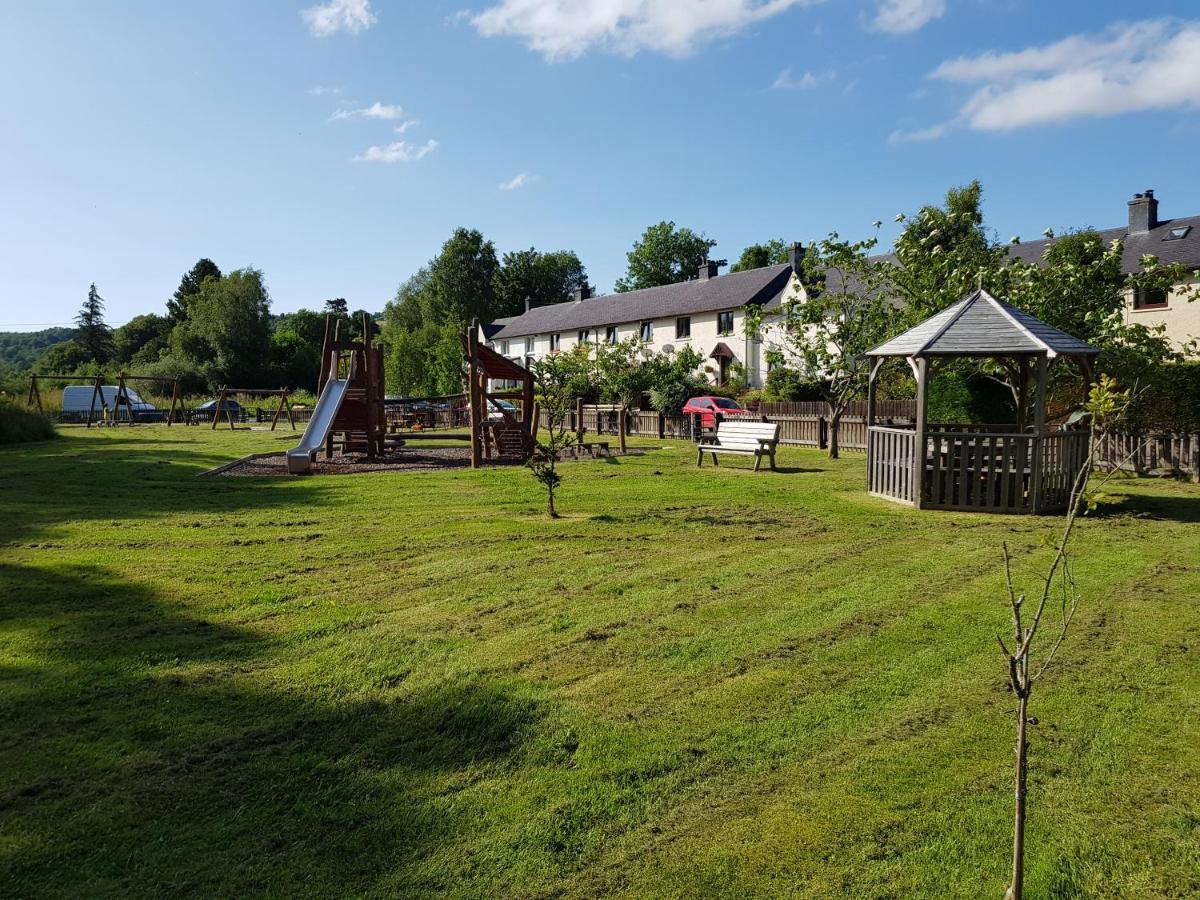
[1150,454]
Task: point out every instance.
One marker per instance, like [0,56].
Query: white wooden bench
[757,439]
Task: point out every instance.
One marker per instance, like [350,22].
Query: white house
[706,313]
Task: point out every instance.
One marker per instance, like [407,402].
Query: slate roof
[1137,245]
[686,298]
[981,325]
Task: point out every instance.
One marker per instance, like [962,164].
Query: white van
[77,400]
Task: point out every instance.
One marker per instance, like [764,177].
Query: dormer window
[1177,234]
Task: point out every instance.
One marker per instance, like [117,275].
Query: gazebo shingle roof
[981,325]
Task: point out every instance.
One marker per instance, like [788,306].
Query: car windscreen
[726,403]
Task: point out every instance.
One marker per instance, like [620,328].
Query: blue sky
[336,144]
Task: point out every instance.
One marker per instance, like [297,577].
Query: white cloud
[566,29]
[787,82]
[517,181]
[932,133]
[376,110]
[404,126]
[1132,67]
[906,16]
[397,152]
[351,16]
[321,90]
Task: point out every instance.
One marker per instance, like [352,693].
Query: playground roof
[497,366]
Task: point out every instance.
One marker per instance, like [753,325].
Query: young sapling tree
[1057,587]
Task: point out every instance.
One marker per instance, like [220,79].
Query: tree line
[217,327]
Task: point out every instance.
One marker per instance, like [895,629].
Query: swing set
[223,405]
[121,400]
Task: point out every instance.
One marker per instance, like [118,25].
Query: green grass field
[696,683]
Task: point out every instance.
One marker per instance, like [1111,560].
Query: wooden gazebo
[1024,467]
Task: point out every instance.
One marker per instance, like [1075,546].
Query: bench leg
[757,461]
[716,462]
[773,460]
[699,457]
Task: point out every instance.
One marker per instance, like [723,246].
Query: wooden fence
[1173,455]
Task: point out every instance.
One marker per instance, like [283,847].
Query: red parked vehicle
[708,407]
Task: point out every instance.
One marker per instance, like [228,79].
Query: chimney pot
[1143,212]
[526,304]
[796,257]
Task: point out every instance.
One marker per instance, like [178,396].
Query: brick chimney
[796,257]
[1143,213]
[708,268]
[581,293]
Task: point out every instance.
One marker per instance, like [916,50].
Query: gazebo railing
[890,462]
[981,471]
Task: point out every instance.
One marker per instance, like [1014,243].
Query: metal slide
[300,457]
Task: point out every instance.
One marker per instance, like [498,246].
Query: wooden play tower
[495,431]
[360,424]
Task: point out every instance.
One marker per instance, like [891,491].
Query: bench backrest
[735,433]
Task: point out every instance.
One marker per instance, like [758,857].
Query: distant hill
[21,348]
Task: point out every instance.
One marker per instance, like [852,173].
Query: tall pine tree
[93,336]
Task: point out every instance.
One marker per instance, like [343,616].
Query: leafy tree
[189,286]
[774,252]
[462,278]
[66,358]
[142,337]
[664,255]
[556,378]
[941,254]
[540,278]
[296,348]
[824,335]
[674,379]
[413,304]
[94,336]
[230,317]
[337,307]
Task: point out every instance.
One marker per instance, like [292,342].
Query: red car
[708,407]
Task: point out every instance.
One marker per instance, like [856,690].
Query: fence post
[662,431]
[822,432]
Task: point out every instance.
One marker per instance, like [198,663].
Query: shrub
[20,426]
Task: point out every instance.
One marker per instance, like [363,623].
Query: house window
[646,332]
[585,335]
[610,334]
[725,322]
[529,344]
[554,340]
[1150,299]
[504,348]
[683,328]
[1178,234]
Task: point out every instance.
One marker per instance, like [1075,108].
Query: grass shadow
[1148,506]
[148,753]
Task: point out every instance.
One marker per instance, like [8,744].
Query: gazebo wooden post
[34,395]
[1037,442]
[921,442]
[872,386]
[474,403]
